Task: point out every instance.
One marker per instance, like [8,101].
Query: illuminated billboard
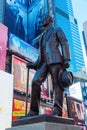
[76,110]
[75,90]
[19,70]
[19,108]
[35,15]
[23,18]
[16,18]
[21,47]
[3,45]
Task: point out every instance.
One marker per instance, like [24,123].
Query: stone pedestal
[44,122]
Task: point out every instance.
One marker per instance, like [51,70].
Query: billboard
[19,108]
[6,97]
[45,110]
[23,18]
[21,47]
[3,45]
[35,15]
[45,90]
[75,90]
[19,70]
[16,18]
[76,110]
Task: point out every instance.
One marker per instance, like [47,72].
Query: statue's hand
[66,64]
[31,65]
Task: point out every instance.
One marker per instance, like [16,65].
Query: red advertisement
[19,71]
[45,110]
[3,45]
[19,108]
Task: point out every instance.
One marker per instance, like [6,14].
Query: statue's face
[46,21]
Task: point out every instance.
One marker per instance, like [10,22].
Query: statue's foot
[56,112]
[30,114]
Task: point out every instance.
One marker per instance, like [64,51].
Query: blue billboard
[35,17]
[21,47]
[16,17]
[23,18]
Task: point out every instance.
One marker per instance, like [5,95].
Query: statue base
[44,122]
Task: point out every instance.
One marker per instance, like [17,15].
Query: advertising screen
[76,110]
[19,70]
[75,90]
[19,108]
[23,18]
[16,18]
[45,90]
[23,48]
[3,45]
[45,110]
[35,15]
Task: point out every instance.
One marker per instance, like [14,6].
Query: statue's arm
[64,45]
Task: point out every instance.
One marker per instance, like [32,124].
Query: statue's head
[47,20]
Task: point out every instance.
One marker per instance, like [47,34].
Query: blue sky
[80,13]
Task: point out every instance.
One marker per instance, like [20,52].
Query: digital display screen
[23,48]
[16,18]
[76,110]
[19,70]
[19,108]
[23,18]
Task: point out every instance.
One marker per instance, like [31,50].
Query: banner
[3,45]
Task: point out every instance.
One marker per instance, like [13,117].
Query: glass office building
[2,10]
[63,14]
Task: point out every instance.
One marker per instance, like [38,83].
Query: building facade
[63,14]
[85,35]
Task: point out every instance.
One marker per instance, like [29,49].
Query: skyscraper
[63,14]
[2,10]
[85,35]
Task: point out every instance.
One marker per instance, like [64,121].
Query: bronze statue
[51,59]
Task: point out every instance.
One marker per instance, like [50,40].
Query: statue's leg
[39,77]
[58,92]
